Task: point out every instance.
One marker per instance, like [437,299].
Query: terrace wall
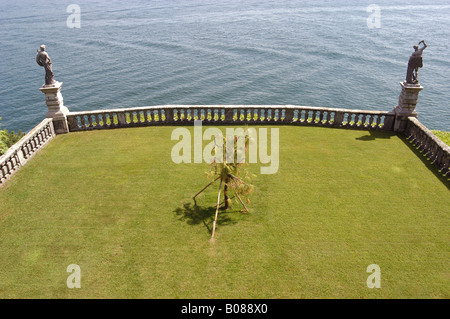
[429,144]
[230,115]
[416,132]
[18,154]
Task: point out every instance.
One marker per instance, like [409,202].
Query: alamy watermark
[374,19]
[214,151]
[374,280]
[74,279]
[74,19]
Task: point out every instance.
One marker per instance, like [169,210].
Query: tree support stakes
[206,187]
[246,209]
[217,210]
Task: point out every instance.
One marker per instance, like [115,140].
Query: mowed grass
[444,136]
[114,203]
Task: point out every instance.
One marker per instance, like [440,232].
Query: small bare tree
[232,175]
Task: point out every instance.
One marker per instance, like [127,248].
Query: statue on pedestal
[414,63]
[43,60]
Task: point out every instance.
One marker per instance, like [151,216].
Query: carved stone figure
[414,63]
[43,60]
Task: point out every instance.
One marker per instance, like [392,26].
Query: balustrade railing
[429,144]
[417,133]
[18,154]
[230,115]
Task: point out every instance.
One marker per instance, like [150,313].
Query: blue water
[138,53]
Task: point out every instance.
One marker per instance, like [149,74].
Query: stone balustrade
[417,133]
[22,151]
[402,119]
[429,144]
[230,115]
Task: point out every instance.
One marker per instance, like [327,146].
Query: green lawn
[444,136]
[114,203]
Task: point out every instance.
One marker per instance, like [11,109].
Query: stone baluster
[321,115]
[255,115]
[378,121]
[329,114]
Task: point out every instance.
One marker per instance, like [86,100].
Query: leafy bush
[3,145]
[8,139]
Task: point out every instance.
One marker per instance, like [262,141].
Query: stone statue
[414,63]
[43,59]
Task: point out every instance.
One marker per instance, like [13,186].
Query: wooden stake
[217,210]
[246,209]
[206,187]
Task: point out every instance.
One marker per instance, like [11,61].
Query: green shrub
[3,145]
[8,139]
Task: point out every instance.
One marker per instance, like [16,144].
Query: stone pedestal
[407,102]
[56,109]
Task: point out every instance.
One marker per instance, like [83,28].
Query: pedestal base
[407,102]
[56,109]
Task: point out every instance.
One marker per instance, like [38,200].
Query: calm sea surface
[138,53]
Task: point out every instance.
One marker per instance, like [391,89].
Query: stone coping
[226,106]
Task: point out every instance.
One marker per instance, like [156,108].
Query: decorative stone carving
[52,90]
[415,62]
[43,60]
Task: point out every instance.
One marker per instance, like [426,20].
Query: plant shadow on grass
[426,161]
[194,214]
[373,135]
